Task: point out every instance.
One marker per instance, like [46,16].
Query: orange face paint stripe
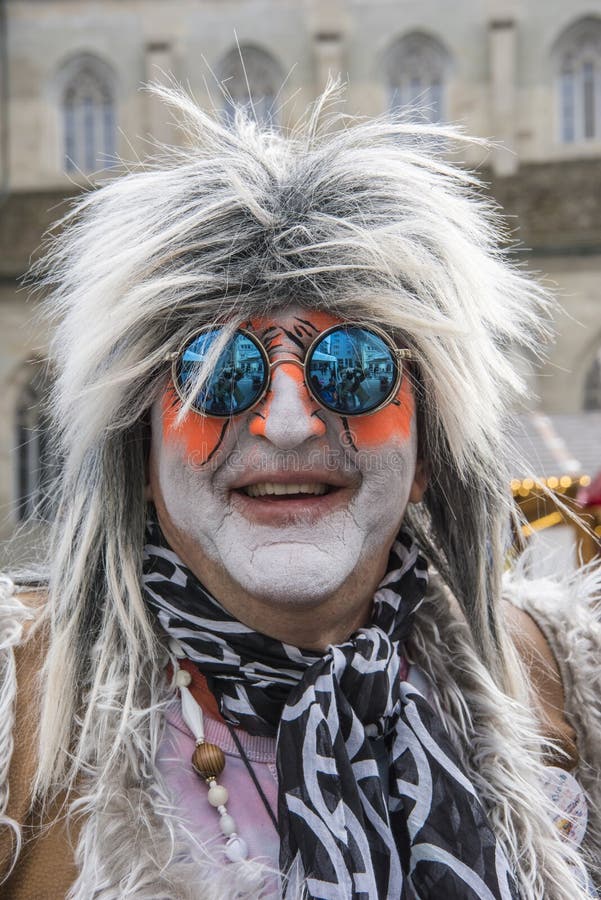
[374,430]
[200,436]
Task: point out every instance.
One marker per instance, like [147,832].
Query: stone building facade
[525,73]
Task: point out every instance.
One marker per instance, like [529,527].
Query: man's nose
[288,417]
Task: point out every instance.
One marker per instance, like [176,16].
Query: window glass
[416,68]
[251,80]
[567,106]
[89,121]
[588,99]
[578,54]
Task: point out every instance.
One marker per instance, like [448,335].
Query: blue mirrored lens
[352,370]
[237,380]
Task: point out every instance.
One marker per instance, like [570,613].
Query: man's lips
[281,497]
[274,490]
[279,483]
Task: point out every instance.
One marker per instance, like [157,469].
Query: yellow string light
[553,518]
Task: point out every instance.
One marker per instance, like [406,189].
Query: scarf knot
[367,671]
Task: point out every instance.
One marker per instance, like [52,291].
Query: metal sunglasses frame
[398,355]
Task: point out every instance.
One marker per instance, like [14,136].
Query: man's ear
[420,482]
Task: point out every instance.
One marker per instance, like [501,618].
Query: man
[274,653]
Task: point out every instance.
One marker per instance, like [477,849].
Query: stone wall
[556,206]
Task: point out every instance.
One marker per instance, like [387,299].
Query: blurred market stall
[563,454]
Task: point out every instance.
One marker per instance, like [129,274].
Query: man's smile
[273,490]
[290,499]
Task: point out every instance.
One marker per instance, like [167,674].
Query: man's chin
[292,574]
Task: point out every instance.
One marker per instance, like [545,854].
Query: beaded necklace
[208,761]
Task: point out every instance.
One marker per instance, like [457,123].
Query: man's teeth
[267,487]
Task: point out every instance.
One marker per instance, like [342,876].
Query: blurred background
[524,73]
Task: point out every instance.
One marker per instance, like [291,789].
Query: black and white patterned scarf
[427,834]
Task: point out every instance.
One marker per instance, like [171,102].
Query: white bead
[192,714]
[227,824]
[221,810]
[236,849]
[218,795]
[183,678]
[176,648]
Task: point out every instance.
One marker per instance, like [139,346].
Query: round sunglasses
[348,369]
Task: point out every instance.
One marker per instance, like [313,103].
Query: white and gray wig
[369,221]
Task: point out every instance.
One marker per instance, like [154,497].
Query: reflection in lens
[237,380]
[352,370]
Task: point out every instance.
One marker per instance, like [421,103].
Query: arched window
[416,70]
[35,463]
[88,114]
[251,79]
[578,63]
[592,385]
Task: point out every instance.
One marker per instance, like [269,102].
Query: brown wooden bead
[208,760]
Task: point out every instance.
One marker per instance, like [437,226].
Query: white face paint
[351,488]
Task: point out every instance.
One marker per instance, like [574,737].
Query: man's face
[288,500]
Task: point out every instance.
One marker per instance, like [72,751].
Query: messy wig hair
[368,220]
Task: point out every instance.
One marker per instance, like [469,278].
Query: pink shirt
[189,791]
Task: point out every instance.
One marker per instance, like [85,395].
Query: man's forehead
[296,323]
